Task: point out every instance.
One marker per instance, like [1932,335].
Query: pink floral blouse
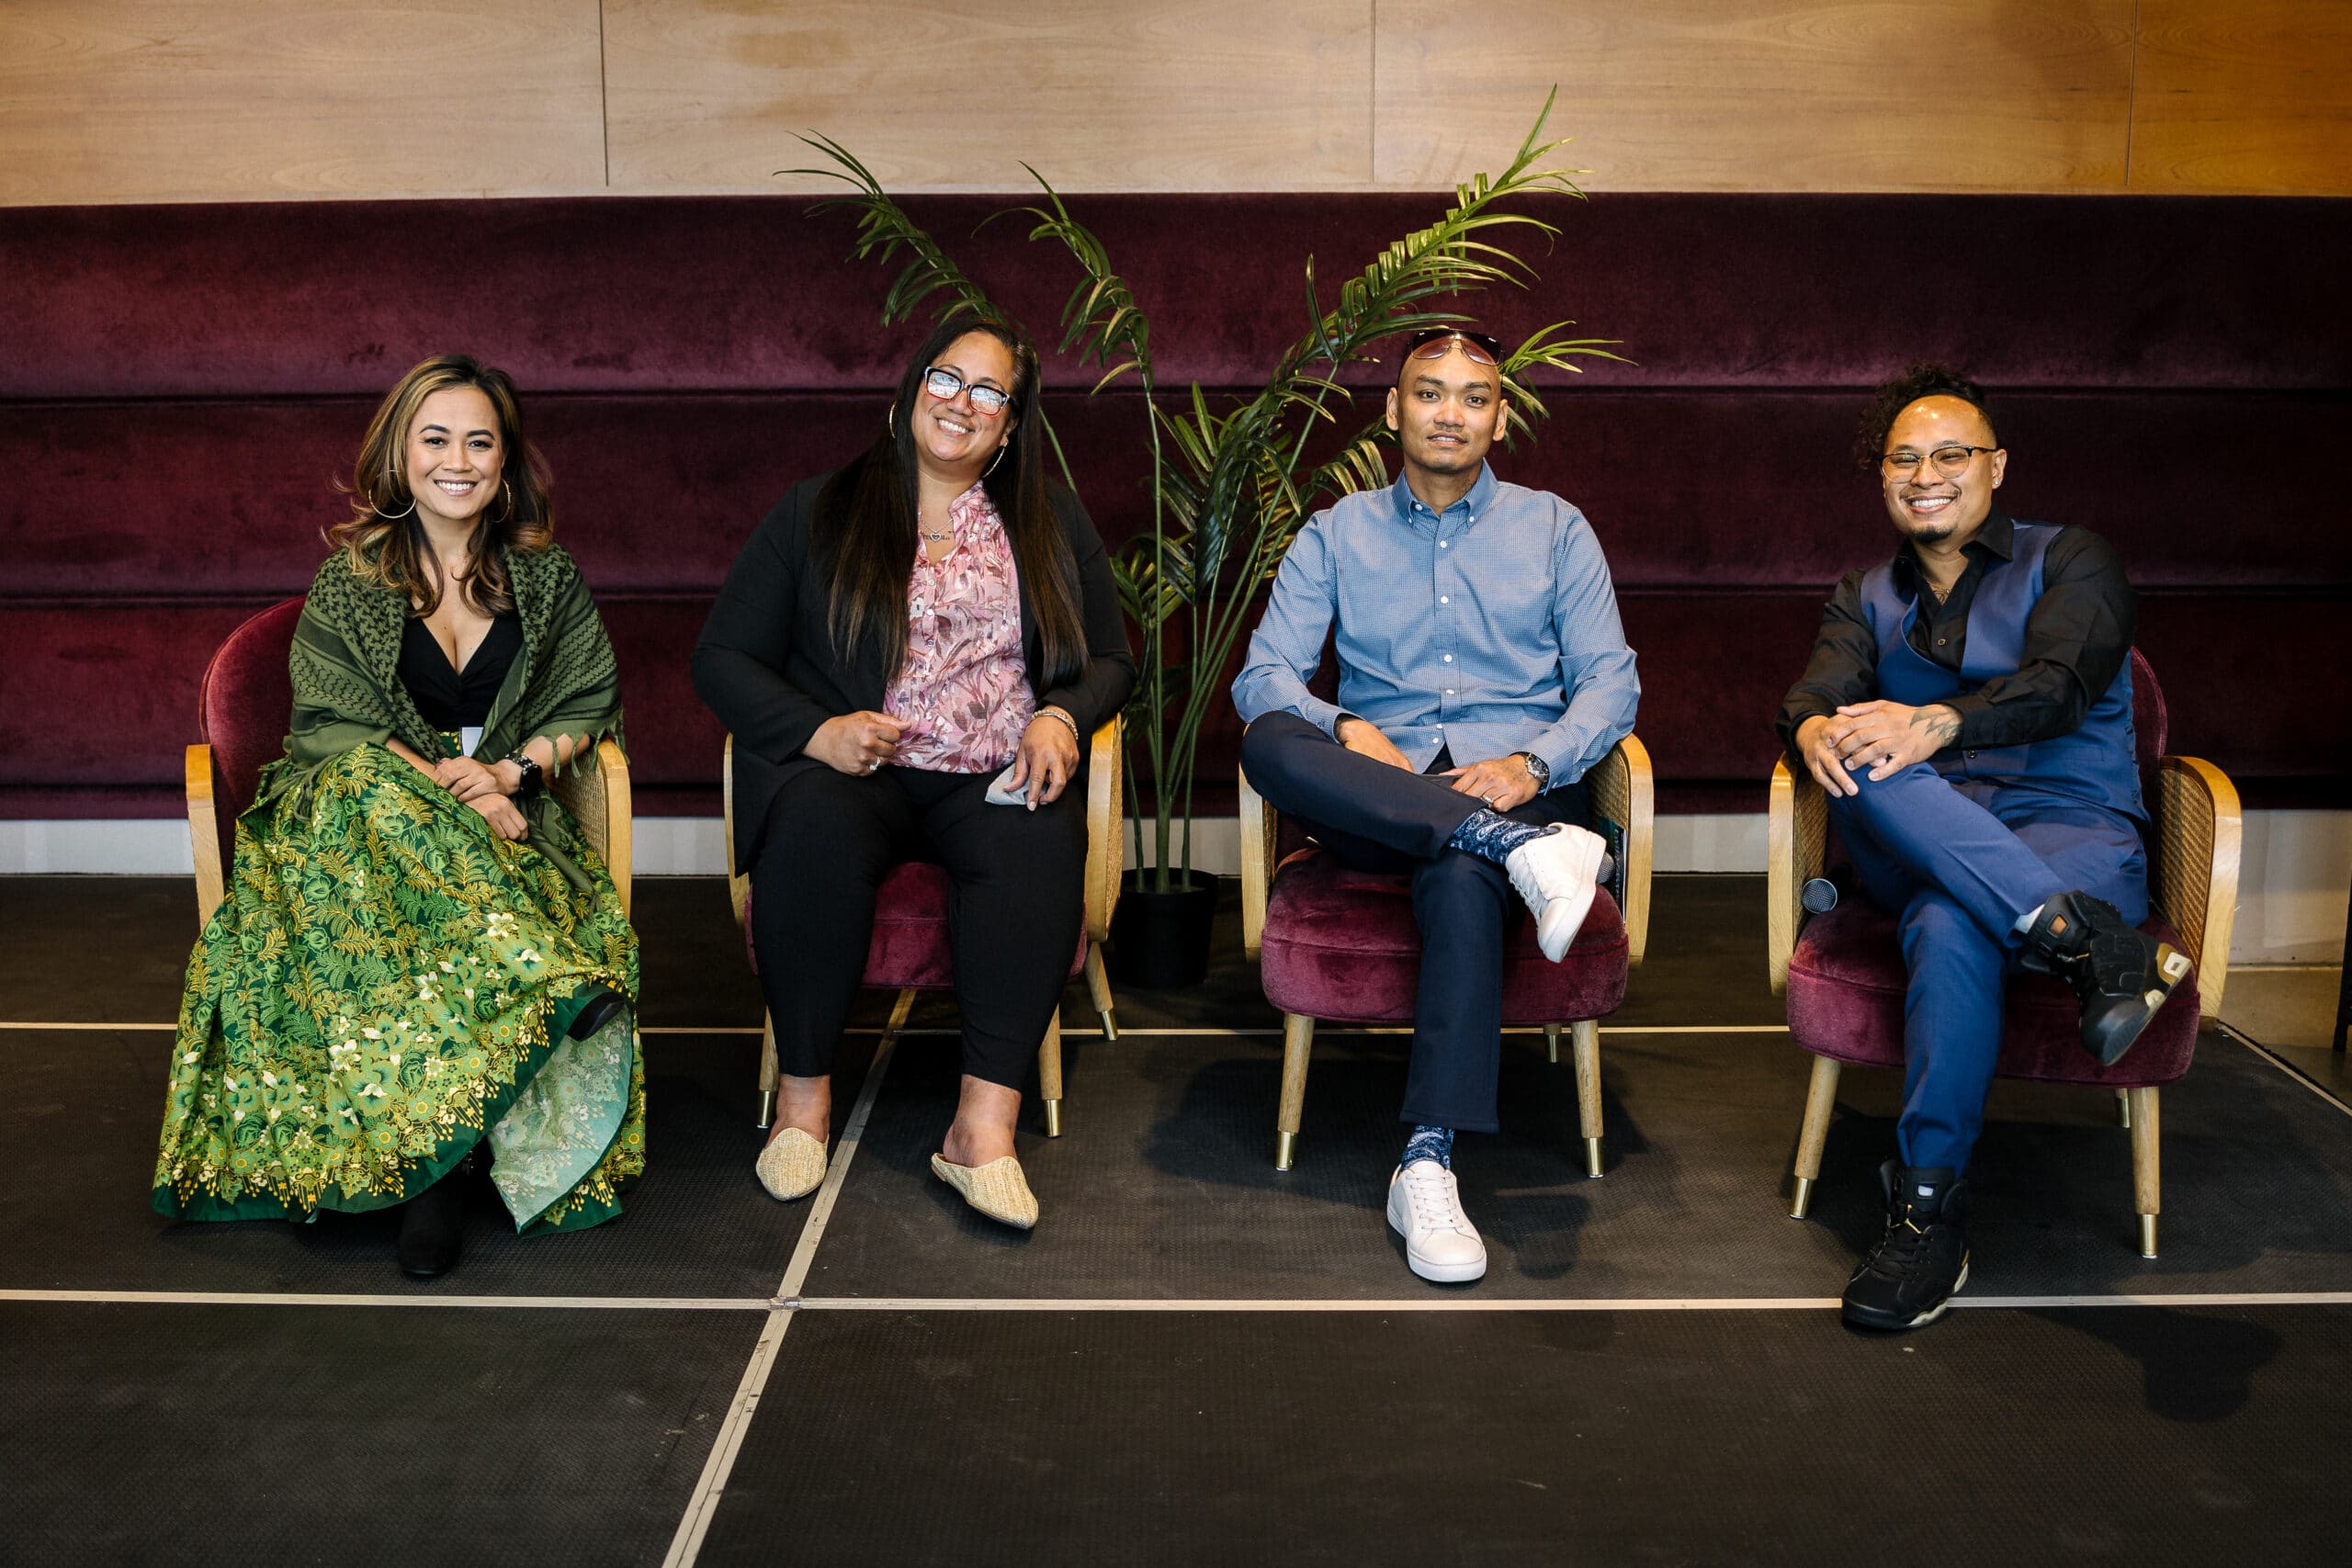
[963,691]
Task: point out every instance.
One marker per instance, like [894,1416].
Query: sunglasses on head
[1484,348]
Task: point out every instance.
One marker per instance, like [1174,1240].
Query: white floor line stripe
[1539,1303]
[103,1028]
[686,1545]
[2262,1054]
[263,1298]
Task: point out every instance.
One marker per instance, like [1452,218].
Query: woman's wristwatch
[529,784]
[1537,769]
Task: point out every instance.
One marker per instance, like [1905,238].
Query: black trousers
[1378,818]
[1014,906]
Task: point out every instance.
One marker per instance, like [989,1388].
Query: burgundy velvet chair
[243,708]
[909,951]
[1842,971]
[1341,945]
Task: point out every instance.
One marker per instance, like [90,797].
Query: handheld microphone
[1820,894]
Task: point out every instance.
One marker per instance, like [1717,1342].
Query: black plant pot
[1161,940]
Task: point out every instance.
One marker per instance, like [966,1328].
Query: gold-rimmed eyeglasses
[1951,461]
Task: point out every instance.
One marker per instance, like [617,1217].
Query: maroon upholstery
[678,388]
[911,949]
[1846,979]
[1341,945]
[244,706]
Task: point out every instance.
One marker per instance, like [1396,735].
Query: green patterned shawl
[347,691]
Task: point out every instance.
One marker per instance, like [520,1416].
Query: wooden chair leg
[898,1012]
[1098,987]
[767,1073]
[2124,1108]
[1049,1075]
[2147,1184]
[1552,1042]
[1820,1099]
[1298,1039]
[1583,1041]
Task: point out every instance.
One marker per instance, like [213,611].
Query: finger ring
[1489,800]
[874,765]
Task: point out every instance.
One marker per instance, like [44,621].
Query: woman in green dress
[418,950]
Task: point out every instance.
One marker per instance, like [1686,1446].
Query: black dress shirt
[2078,635]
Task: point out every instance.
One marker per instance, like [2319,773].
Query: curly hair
[1921,380]
[382,535]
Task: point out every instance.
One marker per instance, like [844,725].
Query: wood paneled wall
[145,100]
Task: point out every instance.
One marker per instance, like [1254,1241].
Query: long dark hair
[864,533]
[382,535]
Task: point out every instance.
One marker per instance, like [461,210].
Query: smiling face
[1928,506]
[1446,413]
[455,456]
[951,436]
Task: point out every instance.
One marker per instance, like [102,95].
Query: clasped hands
[487,788]
[1501,784]
[862,742]
[1883,737]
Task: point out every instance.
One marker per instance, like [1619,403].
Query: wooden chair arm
[2193,882]
[738,883]
[1625,791]
[1256,820]
[1796,843]
[203,835]
[1106,767]
[596,794]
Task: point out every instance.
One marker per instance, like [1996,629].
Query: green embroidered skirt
[386,983]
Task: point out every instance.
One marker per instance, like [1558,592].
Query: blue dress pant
[1957,863]
[1374,817]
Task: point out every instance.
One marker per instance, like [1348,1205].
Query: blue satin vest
[2094,762]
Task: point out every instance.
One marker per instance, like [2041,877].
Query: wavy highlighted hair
[382,535]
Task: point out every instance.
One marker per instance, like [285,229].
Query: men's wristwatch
[1537,769]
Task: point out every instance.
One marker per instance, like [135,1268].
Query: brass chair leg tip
[1053,1118]
[1804,1199]
[1592,1157]
[1110,1026]
[1285,1143]
[767,1117]
[2147,1236]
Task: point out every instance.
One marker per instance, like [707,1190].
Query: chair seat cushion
[1846,987]
[1342,945]
[910,949]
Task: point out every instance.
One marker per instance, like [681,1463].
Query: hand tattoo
[1943,724]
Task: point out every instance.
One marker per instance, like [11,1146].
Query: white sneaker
[1556,874]
[1425,1208]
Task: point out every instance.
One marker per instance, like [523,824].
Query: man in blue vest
[1968,709]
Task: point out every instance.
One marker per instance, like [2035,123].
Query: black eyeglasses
[944,384]
[1437,342]
[1951,461]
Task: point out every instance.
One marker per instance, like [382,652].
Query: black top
[2077,637]
[450,699]
[766,664]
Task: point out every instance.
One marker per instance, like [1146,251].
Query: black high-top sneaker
[432,1224]
[2120,974]
[1909,1276]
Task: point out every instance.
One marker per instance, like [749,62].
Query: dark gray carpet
[242,1436]
[2143,1437]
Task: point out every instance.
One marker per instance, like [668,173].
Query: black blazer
[765,663]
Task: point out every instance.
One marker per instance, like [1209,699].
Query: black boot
[1909,1276]
[601,1009]
[2120,974]
[430,1226]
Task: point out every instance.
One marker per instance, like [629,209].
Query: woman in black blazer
[895,637]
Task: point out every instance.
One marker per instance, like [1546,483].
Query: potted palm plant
[1232,483]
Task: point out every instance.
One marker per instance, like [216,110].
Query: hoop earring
[508,491]
[995,461]
[377,507]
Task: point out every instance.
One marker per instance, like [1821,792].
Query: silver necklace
[938,538]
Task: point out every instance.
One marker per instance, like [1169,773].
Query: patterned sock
[1491,835]
[1429,1143]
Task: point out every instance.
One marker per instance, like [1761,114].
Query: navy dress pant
[1373,816]
[1957,864]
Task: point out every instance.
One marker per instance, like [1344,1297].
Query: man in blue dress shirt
[1482,670]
